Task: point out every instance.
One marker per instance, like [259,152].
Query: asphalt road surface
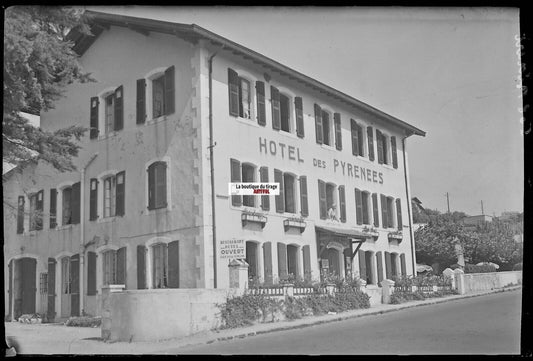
[478,325]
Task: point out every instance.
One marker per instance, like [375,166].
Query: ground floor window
[251,259]
[109,269]
[160,266]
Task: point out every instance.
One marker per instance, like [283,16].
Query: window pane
[245,98]
[248,177]
[109,114]
[285,112]
[158,95]
[288,185]
[325,128]
[67,192]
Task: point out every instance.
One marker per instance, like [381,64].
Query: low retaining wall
[375,293]
[156,314]
[474,282]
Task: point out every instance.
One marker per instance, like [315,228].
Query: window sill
[248,121]
[108,135]
[288,134]
[106,219]
[157,210]
[63,227]
[328,147]
[156,120]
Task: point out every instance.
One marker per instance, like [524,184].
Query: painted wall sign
[279,149]
[232,248]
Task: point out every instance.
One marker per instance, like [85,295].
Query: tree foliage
[38,63]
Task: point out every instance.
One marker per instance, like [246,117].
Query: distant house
[476,220]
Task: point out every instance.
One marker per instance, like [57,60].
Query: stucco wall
[488,281]
[144,315]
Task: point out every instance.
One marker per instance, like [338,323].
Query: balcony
[395,236]
[371,232]
[248,217]
[297,223]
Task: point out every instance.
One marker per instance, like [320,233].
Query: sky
[451,72]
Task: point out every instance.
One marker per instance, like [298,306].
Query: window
[53,208]
[298,107]
[387,211]
[20,215]
[357,138]
[113,112]
[375,209]
[286,200]
[399,214]
[66,276]
[251,259]
[381,140]
[71,204]
[329,205]
[390,211]
[365,197]
[165,265]
[67,201]
[261,108]
[394,152]
[338,132]
[244,99]
[284,105]
[109,196]
[162,93]
[158,97]
[325,127]
[292,260]
[109,267]
[240,97]
[370,137]
[157,185]
[248,176]
[109,114]
[36,211]
[43,283]
[112,197]
[160,265]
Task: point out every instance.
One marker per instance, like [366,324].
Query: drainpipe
[411,234]
[82,231]
[211,161]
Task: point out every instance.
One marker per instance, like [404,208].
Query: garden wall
[374,292]
[474,282]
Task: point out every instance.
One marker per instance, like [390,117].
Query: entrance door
[51,309]
[29,288]
[65,287]
[332,256]
[75,285]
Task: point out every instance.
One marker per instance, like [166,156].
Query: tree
[38,63]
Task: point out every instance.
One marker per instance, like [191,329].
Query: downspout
[411,233]
[211,161]
[82,232]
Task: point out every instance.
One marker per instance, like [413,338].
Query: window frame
[112,181]
[249,198]
[166,161]
[162,275]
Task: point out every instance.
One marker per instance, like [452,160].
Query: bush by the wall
[517,267]
[472,268]
[84,321]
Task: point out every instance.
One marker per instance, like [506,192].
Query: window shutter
[120,204]
[265,199]
[39,210]
[338,133]
[307,262]
[379,263]
[304,207]
[375,209]
[141,101]
[402,264]
[358,206]
[276,110]
[261,107]
[364,203]
[53,208]
[318,125]
[141,267]
[233,89]
[173,265]
[388,266]
[322,199]
[20,215]
[299,108]
[93,199]
[370,136]
[362,264]
[161,184]
[282,261]
[151,186]
[399,214]
[379,140]
[394,152]
[267,260]
[121,266]
[384,213]
[75,203]
[93,133]
[51,309]
[235,178]
[355,137]
[91,273]
[119,107]
[280,199]
[342,203]
[169,90]
[75,285]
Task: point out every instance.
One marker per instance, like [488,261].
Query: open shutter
[402,264]
[342,203]
[93,133]
[298,106]
[379,263]
[358,206]
[169,90]
[370,136]
[119,107]
[362,264]
[53,208]
[161,185]
[307,262]
[355,137]
[322,199]
[51,309]
[261,107]
[235,178]
[141,101]
[121,266]
[91,273]
[75,203]
[173,265]
[304,207]
[318,125]
[75,285]
[280,199]
[20,215]
[399,214]
[120,204]
[384,213]
[379,140]
[141,267]
[39,210]
[151,186]
[388,266]
[93,199]
[265,199]
[267,260]
[282,261]
[276,110]
[394,152]
[375,209]
[233,91]
[338,132]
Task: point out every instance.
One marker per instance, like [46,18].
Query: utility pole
[448,199]
[482,213]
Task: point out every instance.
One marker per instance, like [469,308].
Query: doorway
[24,286]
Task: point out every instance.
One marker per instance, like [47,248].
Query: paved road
[479,325]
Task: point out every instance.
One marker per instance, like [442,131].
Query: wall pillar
[448,272]
[460,281]
[387,288]
[238,274]
[288,290]
[106,309]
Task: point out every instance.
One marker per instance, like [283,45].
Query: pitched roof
[193,33]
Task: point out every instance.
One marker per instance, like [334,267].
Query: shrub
[472,268]
[517,267]
[84,321]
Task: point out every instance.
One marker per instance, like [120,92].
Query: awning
[342,232]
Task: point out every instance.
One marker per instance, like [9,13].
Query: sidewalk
[59,339]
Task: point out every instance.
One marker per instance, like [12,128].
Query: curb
[346,317]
